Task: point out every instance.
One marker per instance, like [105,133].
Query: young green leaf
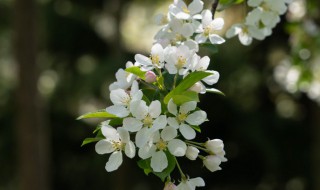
[136,70]
[90,140]
[186,83]
[97,114]
[145,165]
[184,97]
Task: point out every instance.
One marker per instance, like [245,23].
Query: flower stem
[214,7]
[197,146]
[175,81]
[183,176]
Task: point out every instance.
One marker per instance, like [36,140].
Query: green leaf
[116,122]
[186,96]
[211,47]
[171,165]
[186,83]
[97,114]
[197,128]
[224,4]
[215,91]
[90,140]
[145,165]
[136,70]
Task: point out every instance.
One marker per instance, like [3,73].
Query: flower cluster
[260,21]
[154,116]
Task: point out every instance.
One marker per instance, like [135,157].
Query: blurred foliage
[267,131]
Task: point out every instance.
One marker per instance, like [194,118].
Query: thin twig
[214,7]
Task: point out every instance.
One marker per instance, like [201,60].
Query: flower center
[181,62]
[185,10]
[206,31]
[117,145]
[147,121]
[126,101]
[155,59]
[182,117]
[161,145]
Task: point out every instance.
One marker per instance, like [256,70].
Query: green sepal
[215,91]
[137,71]
[145,165]
[196,127]
[97,114]
[224,4]
[90,140]
[186,83]
[184,97]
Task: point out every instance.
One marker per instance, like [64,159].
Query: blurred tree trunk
[316,145]
[31,136]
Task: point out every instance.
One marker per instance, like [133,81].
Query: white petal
[193,45]
[168,133]
[159,123]
[139,109]
[142,59]
[212,79]
[159,161]
[245,39]
[217,24]
[234,30]
[192,153]
[146,151]
[172,107]
[197,117]
[120,111]
[171,68]
[173,122]
[187,30]
[110,133]
[198,182]
[200,38]
[254,3]
[206,18]
[157,49]
[104,147]
[203,64]
[177,147]
[130,149]
[115,160]
[187,131]
[119,97]
[195,7]
[155,109]
[187,107]
[132,124]
[137,96]
[124,134]
[216,39]
[143,136]
[134,88]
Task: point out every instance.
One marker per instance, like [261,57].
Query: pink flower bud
[170,186]
[150,77]
[196,87]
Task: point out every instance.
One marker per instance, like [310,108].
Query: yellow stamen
[161,145]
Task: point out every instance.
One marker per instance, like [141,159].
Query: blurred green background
[57,58]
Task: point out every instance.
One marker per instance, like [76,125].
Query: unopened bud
[212,163]
[215,146]
[170,186]
[150,77]
[192,153]
[196,87]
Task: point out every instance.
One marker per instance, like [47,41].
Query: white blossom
[181,11]
[160,142]
[212,163]
[156,60]
[124,78]
[208,29]
[116,141]
[145,121]
[122,100]
[185,117]
[178,59]
[192,153]
[191,184]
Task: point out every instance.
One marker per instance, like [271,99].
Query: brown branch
[214,7]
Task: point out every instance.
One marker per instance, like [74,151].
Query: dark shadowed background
[57,58]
